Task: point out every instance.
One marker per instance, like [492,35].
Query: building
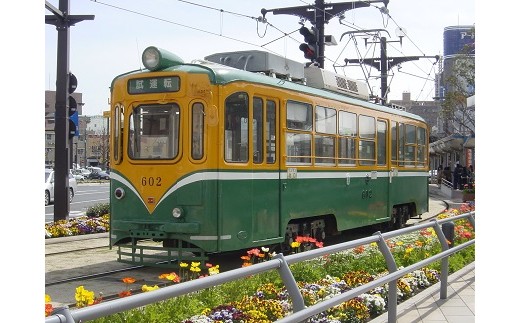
[452,139]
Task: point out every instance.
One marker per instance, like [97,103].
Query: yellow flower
[147,288]
[195,269]
[183,265]
[195,264]
[213,270]
[47,299]
[295,244]
[83,297]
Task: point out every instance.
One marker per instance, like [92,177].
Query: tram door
[266,183]
[383,161]
[249,180]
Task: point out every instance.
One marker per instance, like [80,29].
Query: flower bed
[77,226]
[263,298]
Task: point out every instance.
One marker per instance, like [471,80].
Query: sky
[113,42]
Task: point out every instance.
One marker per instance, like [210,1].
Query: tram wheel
[398,221]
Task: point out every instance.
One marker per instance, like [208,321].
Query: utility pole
[384,63]
[319,14]
[64,85]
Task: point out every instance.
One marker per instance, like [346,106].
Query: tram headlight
[151,58]
[119,193]
[157,58]
[177,212]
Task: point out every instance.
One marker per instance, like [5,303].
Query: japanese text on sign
[153,85]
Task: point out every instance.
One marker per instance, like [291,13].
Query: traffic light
[310,47]
[72,107]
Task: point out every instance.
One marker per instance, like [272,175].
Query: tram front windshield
[154,132]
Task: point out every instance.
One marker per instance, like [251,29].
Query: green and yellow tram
[209,158]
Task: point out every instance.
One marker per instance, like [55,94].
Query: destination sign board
[153,85]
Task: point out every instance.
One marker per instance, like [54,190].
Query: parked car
[78,175]
[49,186]
[84,172]
[94,169]
[98,174]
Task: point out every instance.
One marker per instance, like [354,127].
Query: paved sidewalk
[427,307]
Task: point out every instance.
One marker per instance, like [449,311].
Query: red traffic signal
[310,47]
[309,51]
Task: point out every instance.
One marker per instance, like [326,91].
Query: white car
[49,186]
[78,175]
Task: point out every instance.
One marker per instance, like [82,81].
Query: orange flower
[171,276]
[128,280]
[359,249]
[48,309]
[124,293]
[254,252]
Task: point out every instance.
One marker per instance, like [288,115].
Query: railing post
[64,312]
[290,283]
[445,261]
[392,286]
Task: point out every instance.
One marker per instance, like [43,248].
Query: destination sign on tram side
[153,85]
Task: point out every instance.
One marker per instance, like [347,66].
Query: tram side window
[258,134]
[236,134]
[394,142]
[154,132]
[381,142]
[298,142]
[367,145]
[410,145]
[118,132]
[299,116]
[401,134]
[197,128]
[421,147]
[325,146]
[347,140]
[270,131]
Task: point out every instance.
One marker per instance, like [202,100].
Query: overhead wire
[366,72]
[199,29]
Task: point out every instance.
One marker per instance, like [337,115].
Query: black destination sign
[153,85]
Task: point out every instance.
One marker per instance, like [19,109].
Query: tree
[460,85]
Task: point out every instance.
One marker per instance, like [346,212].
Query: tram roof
[222,74]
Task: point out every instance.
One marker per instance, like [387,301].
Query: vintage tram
[248,149]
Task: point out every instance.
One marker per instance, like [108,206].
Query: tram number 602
[366,194]
[151,181]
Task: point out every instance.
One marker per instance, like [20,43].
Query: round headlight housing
[151,58]
[157,58]
[119,193]
[177,212]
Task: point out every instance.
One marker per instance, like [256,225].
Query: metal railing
[281,264]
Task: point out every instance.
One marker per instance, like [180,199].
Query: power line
[206,31]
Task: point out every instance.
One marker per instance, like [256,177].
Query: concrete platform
[427,307]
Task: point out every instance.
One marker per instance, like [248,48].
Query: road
[88,194]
